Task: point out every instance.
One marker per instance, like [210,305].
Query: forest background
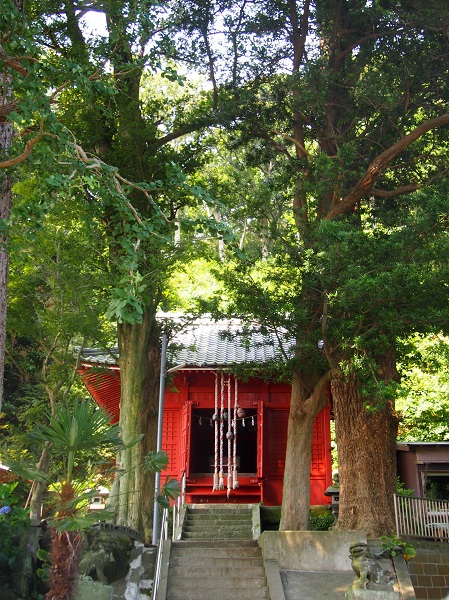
[284,162]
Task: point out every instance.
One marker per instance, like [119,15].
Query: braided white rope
[229,437]
[220,478]
[215,483]
[235,481]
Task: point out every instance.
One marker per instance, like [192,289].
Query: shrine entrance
[198,449]
[202,443]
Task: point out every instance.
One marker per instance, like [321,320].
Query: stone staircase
[216,557]
[218,523]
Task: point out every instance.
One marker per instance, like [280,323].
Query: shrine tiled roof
[207,343]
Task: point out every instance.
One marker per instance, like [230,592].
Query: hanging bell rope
[215,419]
[222,412]
[229,437]
[235,480]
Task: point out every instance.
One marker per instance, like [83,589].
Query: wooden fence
[422,518]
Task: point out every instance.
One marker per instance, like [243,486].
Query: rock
[106,557]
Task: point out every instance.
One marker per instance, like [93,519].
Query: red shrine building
[228,437]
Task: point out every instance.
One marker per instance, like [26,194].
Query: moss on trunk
[139,362]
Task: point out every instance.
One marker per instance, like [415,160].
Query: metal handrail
[162,538]
[177,506]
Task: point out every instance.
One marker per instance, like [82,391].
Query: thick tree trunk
[139,372]
[366,441]
[304,407]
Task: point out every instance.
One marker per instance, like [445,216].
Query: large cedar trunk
[139,372]
[366,441]
[304,408]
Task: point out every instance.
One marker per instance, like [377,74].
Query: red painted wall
[188,435]
[269,403]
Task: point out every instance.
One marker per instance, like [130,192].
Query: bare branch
[297,144]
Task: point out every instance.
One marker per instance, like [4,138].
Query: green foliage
[423,399]
[393,546]
[169,492]
[321,520]
[156,461]
[401,490]
[14,521]
[43,572]
[73,430]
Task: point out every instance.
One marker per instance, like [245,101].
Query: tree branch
[366,184]
[25,154]
[300,147]
[330,359]
[321,386]
[12,62]
[407,189]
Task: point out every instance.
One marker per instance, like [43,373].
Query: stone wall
[310,550]
[429,570]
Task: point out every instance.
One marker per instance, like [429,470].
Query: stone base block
[371,594]
[88,590]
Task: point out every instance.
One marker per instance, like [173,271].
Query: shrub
[14,521]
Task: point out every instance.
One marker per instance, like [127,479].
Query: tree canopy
[319,142]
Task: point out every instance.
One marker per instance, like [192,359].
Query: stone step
[185,553]
[222,517]
[226,590]
[220,507]
[247,527]
[218,570]
[217,559]
[215,544]
[235,562]
[208,535]
[179,594]
[217,519]
[206,513]
[212,516]
[217,583]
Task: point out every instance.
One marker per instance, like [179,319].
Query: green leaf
[135,440]
[156,461]
[24,472]
[171,488]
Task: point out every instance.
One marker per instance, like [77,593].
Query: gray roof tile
[207,343]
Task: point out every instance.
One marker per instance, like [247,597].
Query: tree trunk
[139,361]
[64,559]
[6,135]
[366,441]
[304,408]
[25,566]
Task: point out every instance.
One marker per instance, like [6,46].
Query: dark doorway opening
[437,487]
[202,442]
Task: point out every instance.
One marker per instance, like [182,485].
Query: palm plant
[72,432]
